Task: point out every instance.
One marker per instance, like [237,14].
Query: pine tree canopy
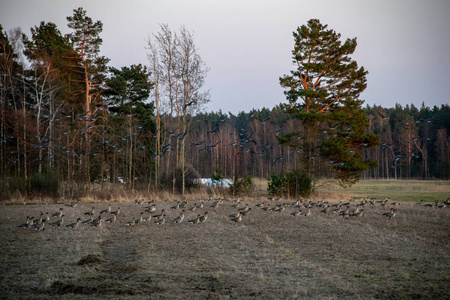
[323,91]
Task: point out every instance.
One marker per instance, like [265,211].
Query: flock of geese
[299,208]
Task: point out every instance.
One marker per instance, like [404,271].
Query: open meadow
[326,252]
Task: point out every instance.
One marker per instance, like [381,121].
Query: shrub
[295,183]
[44,184]
[276,184]
[242,186]
[18,184]
[217,176]
[166,179]
[299,183]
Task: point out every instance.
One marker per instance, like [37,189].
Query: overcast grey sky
[247,44]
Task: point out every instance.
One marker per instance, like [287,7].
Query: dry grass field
[268,255]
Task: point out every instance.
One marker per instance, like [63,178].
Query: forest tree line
[67,118]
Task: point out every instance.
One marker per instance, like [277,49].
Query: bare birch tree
[182,75]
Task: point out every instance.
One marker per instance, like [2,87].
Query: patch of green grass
[396,190]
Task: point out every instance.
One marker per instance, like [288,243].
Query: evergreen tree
[128,87]
[324,93]
[86,41]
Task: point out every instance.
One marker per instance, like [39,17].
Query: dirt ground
[268,255]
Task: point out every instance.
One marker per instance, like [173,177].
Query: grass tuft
[89,259]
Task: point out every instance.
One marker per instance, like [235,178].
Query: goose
[27,224]
[106,211]
[150,209]
[183,204]
[40,226]
[308,205]
[325,210]
[112,219]
[88,221]
[296,213]
[236,203]
[179,219]
[158,217]
[235,215]
[244,213]
[216,204]
[196,220]
[148,218]
[337,204]
[358,214]
[353,211]
[237,219]
[390,214]
[37,221]
[242,209]
[116,212]
[176,206]
[97,222]
[306,213]
[295,203]
[346,204]
[337,209]
[323,204]
[57,223]
[136,221]
[139,220]
[90,213]
[393,214]
[58,213]
[74,225]
[345,212]
[193,208]
[47,217]
[281,208]
[203,218]
[161,221]
[266,208]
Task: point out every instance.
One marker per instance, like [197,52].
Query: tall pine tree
[323,91]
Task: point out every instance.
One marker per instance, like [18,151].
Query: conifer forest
[69,120]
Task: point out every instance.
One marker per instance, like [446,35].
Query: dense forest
[67,119]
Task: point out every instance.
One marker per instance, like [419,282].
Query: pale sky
[247,44]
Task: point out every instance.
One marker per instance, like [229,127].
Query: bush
[299,183]
[242,186]
[294,184]
[166,179]
[45,184]
[276,185]
[18,184]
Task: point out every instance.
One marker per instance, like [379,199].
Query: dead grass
[267,256]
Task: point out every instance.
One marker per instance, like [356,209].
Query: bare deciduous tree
[181,77]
